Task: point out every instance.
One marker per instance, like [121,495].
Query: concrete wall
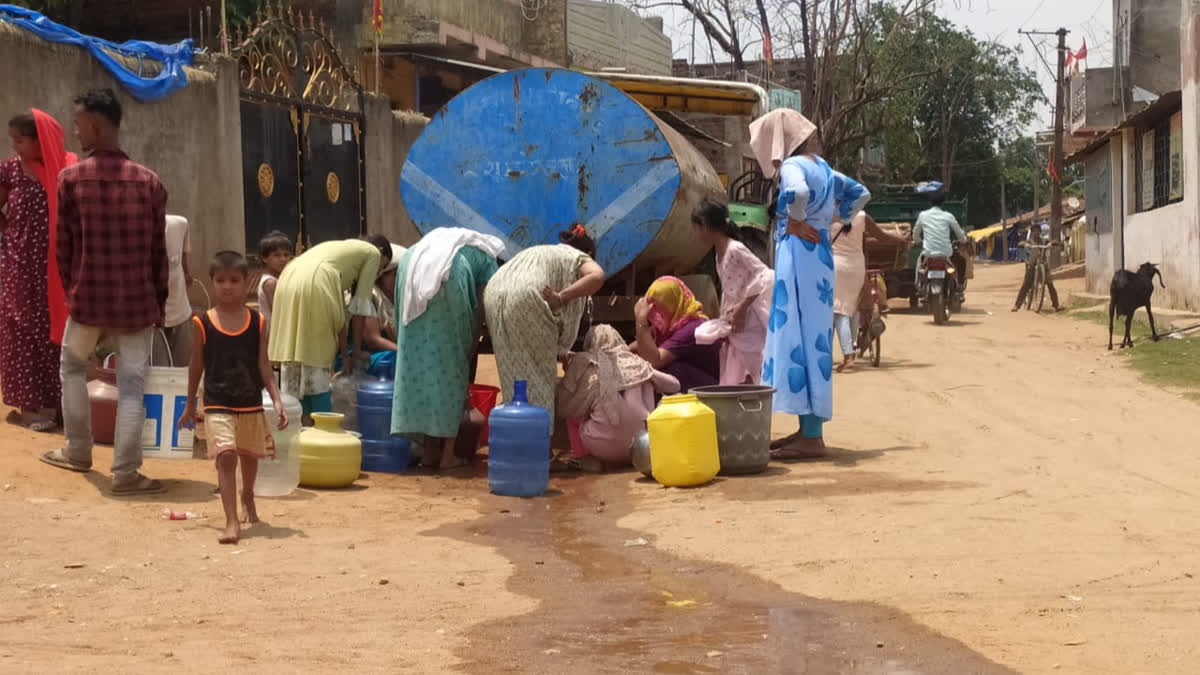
[496,26]
[192,139]
[1098,232]
[388,139]
[603,34]
[1153,49]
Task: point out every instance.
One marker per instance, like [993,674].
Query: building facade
[1143,174]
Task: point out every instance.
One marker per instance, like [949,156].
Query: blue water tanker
[519,447]
[526,154]
[380,450]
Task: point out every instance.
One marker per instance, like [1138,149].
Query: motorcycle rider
[938,231]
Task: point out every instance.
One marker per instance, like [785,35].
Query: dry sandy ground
[1002,482]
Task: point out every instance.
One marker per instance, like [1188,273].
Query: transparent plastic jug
[279,476]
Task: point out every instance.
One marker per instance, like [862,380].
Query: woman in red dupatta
[33,308]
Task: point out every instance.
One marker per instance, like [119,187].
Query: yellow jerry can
[683,442]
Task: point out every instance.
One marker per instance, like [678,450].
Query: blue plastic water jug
[519,447]
[381,451]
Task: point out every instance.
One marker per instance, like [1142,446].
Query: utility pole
[1056,148]
[1003,216]
[1056,177]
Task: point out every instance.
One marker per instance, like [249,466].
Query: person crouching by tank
[308,320]
[605,396]
[667,319]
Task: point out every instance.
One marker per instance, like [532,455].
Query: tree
[972,93]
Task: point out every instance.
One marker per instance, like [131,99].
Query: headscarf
[776,135]
[672,304]
[595,376]
[54,159]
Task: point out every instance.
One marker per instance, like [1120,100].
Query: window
[1158,161]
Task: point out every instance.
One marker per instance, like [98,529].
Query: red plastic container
[483,398]
[102,397]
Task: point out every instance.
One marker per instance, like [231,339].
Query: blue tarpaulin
[172,57]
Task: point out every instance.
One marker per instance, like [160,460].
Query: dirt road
[1003,496]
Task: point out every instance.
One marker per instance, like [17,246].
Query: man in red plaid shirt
[112,256]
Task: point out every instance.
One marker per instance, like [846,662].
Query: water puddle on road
[609,607]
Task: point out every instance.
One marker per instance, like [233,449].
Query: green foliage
[965,98]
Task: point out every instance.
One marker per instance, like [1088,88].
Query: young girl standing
[230,351]
[275,249]
[745,295]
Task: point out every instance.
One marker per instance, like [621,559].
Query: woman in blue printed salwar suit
[798,360]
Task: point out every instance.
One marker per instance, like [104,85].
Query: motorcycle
[940,290]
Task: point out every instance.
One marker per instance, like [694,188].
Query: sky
[991,20]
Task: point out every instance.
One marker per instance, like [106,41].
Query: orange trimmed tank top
[232,379]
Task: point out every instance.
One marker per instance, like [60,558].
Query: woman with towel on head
[437,322]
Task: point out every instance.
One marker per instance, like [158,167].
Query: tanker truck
[525,154]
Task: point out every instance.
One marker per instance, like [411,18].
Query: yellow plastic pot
[330,456]
[683,442]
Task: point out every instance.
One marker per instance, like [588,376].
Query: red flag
[1051,170]
[1081,55]
[377,17]
[1067,62]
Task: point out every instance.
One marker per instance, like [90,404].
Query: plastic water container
[343,392]
[519,447]
[683,442]
[330,456]
[381,451]
[164,401]
[277,477]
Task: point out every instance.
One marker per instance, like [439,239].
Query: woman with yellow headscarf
[667,319]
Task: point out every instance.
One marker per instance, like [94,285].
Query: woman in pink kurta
[606,394]
[745,297]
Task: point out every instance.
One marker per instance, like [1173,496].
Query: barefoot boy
[230,351]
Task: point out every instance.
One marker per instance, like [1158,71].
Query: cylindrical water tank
[525,154]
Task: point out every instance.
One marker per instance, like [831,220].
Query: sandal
[43,425]
[781,455]
[780,442]
[140,485]
[59,459]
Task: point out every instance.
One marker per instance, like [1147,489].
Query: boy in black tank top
[230,352]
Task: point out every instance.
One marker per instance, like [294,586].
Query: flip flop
[795,455]
[59,459]
[141,485]
[780,442]
[43,425]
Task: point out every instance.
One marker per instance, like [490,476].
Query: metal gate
[302,123]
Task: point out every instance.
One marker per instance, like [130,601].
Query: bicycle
[1041,274]
[871,324]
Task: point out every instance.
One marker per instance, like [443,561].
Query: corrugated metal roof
[1169,100]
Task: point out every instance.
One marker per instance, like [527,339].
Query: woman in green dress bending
[437,319]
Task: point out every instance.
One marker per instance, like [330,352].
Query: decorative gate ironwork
[302,123]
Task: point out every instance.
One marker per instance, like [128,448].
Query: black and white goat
[1130,290]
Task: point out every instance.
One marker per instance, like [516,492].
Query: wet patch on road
[612,603]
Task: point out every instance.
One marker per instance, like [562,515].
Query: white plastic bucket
[164,399]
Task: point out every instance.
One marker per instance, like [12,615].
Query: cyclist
[1037,236]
